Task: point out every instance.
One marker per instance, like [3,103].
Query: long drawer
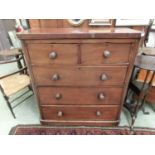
[79,96]
[105,113]
[77,76]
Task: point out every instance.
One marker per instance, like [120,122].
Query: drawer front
[80,112]
[79,76]
[110,53]
[53,53]
[78,96]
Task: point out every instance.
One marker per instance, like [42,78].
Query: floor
[28,113]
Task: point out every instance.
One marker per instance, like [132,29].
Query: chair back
[22,69]
[147,69]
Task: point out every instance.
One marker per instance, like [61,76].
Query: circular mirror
[75,22]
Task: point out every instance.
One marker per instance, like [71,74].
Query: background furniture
[14,82]
[141,25]
[140,87]
[80,75]
[62,23]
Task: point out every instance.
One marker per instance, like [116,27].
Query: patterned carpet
[50,130]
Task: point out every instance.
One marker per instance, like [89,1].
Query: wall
[5,26]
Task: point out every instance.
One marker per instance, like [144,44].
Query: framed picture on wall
[101,22]
[132,22]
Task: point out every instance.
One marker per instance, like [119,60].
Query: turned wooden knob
[53,55]
[101,96]
[60,113]
[103,77]
[106,53]
[55,77]
[58,96]
[98,113]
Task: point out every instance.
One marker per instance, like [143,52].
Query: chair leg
[9,105]
[19,64]
[152,106]
[128,95]
[134,114]
[30,88]
[143,108]
[133,118]
[144,111]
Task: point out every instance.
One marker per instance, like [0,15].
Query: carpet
[52,130]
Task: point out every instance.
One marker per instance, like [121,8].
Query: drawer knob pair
[60,113]
[58,96]
[53,55]
[55,77]
[101,96]
[103,77]
[106,54]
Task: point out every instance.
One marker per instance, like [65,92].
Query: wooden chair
[14,82]
[137,89]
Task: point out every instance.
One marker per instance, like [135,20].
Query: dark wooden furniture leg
[8,103]
[143,108]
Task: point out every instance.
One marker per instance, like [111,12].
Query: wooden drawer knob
[106,54]
[58,96]
[53,55]
[101,96]
[60,113]
[98,113]
[55,77]
[103,77]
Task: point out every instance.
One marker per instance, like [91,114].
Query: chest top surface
[83,33]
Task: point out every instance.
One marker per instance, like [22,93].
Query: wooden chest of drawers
[80,76]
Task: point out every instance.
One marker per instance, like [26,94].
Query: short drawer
[79,76]
[79,96]
[110,53]
[53,53]
[80,112]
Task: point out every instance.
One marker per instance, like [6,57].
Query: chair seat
[148,51]
[10,52]
[14,83]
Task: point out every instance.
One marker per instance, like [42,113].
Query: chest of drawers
[80,76]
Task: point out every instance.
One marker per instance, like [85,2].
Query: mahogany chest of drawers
[80,76]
